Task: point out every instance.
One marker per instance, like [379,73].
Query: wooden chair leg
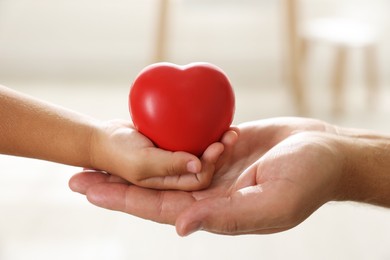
[296,77]
[161,31]
[304,49]
[371,75]
[338,80]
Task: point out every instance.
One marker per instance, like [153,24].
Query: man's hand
[270,179]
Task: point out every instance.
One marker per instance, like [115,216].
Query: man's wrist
[366,173]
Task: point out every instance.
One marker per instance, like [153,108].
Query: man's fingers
[244,212]
[159,206]
[80,182]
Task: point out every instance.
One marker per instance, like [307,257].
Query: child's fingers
[157,162]
[230,137]
[212,153]
[176,173]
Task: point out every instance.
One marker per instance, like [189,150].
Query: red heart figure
[182,108]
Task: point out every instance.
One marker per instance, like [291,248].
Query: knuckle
[174,166]
[231,227]
[171,169]
[164,212]
[203,180]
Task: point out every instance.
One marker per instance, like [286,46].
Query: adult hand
[277,173]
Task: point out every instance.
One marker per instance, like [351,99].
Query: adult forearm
[33,128]
[367,171]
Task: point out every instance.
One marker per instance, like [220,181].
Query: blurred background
[327,59]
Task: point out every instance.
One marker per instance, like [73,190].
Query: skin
[33,128]
[272,175]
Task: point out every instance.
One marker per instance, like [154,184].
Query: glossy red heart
[182,108]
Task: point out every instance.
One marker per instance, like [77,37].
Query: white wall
[86,40]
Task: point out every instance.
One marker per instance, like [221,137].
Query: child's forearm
[32,128]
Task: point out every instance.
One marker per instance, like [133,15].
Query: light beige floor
[40,218]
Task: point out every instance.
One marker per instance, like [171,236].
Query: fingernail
[192,167]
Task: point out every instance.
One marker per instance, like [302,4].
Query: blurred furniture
[294,52]
[161,31]
[343,35]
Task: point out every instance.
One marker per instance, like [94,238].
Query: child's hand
[33,128]
[119,149]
